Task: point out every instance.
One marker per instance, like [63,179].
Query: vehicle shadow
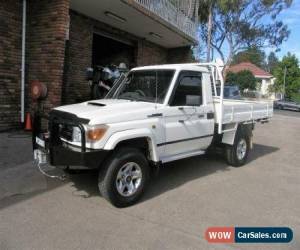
[177,173]
[85,183]
[260,150]
[171,175]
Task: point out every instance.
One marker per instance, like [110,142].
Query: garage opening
[108,51]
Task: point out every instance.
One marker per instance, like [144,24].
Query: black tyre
[124,176]
[237,154]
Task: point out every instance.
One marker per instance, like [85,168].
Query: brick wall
[78,58]
[47,29]
[10,62]
[150,54]
[58,63]
[180,55]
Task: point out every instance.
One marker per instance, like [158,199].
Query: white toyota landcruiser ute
[154,115]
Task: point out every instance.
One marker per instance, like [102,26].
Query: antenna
[156,88]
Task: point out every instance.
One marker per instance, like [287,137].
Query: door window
[188,92]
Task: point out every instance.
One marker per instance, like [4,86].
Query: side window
[188,92]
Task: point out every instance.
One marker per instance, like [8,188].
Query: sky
[291,17]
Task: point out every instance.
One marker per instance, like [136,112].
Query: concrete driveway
[187,197]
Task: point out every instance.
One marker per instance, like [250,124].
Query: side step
[182,156]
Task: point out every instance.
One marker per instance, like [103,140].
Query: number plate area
[39,156]
[40,142]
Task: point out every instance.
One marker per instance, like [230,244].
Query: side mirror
[193,100]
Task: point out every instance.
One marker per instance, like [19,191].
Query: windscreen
[145,85]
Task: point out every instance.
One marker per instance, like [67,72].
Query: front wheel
[124,176]
[237,154]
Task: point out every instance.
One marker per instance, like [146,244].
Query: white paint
[266,82]
[133,134]
[228,137]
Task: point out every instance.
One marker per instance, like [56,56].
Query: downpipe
[23,61]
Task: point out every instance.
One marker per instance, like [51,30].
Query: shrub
[244,79]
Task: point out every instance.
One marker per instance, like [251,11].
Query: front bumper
[64,156]
[48,147]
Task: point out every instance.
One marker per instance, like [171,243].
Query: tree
[272,62]
[209,28]
[231,78]
[292,81]
[239,24]
[205,14]
[244,79]
[253,55]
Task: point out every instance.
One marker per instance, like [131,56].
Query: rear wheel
[124,176]
[237,154]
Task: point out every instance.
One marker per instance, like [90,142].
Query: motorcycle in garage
[101,79]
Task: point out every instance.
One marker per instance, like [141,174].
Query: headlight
[96,133]
[76,135]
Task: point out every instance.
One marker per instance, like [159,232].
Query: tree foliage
[203,10]
[231,78]
[240,24]
[272,62]
[244,79]
[258,57]
[292,86]
[253,55]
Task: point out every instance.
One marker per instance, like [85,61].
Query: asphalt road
[288,113]
[187,197]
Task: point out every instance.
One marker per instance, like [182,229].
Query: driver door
[189,124]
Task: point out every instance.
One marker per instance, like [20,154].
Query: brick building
[64,37]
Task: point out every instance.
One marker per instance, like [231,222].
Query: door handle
[181,121]
[201,116]
[155,115]
[210,115]
[186,108]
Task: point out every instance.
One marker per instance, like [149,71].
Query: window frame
[182,74]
